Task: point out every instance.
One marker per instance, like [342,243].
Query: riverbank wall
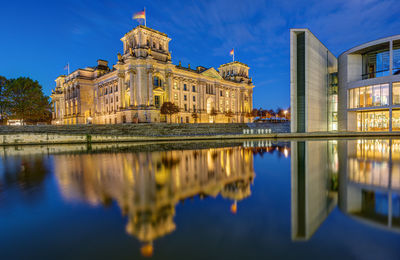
[80,134]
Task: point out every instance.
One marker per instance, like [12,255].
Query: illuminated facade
[358,91]
[369,80]
[143,79]
[148,186]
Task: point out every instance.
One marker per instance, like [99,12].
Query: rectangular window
[373,121]
[396,93]
[194,108]
[176,96]
[396,120]
[185,105]
[226,94]
[184,87]
[175,85]
[362,97]
[384,94]
[157,101]
[184,97]
[368,96]
[193,88]
[220,93]
[377,95]
[194,98]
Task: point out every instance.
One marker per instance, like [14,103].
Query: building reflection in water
[148,186]
[362,177]
[314,178]
[371,190]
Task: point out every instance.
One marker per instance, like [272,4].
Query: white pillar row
[131,87]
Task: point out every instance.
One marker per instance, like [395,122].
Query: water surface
[235,200]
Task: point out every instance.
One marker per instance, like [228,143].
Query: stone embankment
[15,135]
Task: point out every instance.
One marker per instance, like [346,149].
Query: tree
[195,116]
[169,108]
[27,101]
[213,113]
[4,100]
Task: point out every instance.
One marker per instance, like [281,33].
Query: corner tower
[142,42]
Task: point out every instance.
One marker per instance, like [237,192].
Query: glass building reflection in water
[372,190]
[148,186]
[361,177]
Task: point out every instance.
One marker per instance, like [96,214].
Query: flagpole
[145,16]
[68,68]
[233,56]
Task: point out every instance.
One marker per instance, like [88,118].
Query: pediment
[212,73]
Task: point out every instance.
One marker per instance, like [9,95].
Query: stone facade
[143,79]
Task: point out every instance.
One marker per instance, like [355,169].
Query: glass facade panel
[377,95]
[371,96]
[376,63]
[385,94]
[396,120]
[396,93]
[373,121]
[396,57]
[362,97]
[368,96]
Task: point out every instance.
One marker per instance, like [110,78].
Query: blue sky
[39,37]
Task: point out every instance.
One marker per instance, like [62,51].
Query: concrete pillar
[132,90]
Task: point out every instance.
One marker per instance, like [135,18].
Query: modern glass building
[369,86]
[358,91]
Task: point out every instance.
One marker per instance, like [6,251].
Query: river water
[263,199]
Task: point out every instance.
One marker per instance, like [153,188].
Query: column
[138,87]
[217,98]
[121,87]
[132,91]
[78,99]
[180,84]
[237,107]
[150,87]
[169,87]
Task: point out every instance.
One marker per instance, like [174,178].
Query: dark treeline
[270,113]
[23,99]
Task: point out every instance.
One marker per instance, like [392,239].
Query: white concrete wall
[319,62]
